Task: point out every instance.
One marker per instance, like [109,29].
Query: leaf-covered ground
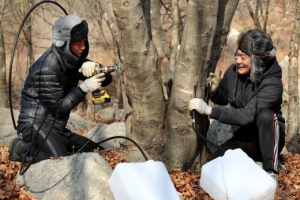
[187,183]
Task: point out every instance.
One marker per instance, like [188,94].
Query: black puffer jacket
[241,94]
[51,87]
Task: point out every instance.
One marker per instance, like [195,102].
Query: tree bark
[175,39]
[144,108]
[293,108]
[27,30]
[253,14]
[159,40]
[225,14]
[3,88]
[182,145]
[109,17]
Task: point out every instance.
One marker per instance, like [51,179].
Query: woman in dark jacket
[252,86]
[51,91]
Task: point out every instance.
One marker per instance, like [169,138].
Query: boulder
[76,177]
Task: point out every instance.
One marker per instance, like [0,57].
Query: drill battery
[100,96]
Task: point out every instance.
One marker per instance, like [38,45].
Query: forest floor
[187,183]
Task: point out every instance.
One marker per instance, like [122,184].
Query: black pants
[262,140]
[56,145]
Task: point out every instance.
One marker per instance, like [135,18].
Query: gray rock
[104,131]
[77,123]
[119,114]
[218,133]
[107,114]
[76,177]
[7,129]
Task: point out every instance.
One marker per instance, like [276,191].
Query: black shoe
[17,148]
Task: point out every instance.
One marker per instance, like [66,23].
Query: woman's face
[78,47]
[243,62]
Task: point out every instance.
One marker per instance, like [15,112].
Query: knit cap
[259,46]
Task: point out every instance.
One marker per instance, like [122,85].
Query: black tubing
[194,119]
[127,138]
[28,150]
[204,138]
[14,48]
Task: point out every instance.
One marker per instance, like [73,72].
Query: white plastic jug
[142,181]
[235,176]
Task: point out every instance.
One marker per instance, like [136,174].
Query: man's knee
[265,115]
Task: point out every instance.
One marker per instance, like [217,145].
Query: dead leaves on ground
[289,178]
[113,157]
[8,172]
[187,183]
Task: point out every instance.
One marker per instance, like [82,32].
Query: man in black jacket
[252,86]
[51,91]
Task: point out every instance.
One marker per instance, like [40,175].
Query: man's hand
[200,106]
[93,83]
[88,68]
[212,82]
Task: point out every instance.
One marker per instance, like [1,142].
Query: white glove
[88,68]
[200,106]
[212,82]
[93,83]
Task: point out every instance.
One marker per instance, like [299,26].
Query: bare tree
[293,106]
[175,38]
[182,143]
[3,88]
[163,129]
[161,126]
[259,12]
[20,11]
[141,77]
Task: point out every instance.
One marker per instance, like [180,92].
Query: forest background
[160,45]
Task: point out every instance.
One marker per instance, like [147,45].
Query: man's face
[78,47]
[243,62]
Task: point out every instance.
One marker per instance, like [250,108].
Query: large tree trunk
[144,104]
[182,145]
[293,109]
[144,107]
[3,88]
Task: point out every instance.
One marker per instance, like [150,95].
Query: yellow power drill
[101,96]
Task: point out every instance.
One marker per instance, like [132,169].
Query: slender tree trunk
[27,30]
[253,14]
[159,40]
[293,108]
[3,87]
[103,39]
[225,14]
[109,17]
[175,39]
